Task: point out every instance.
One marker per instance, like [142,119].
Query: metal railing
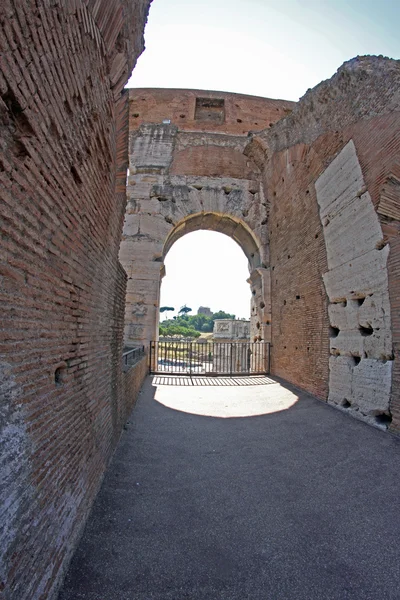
[131,356]
[210,358]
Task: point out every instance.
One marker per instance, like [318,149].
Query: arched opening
[207,272]
[221,223]
[206,326]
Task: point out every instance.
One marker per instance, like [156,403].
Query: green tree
[184,310]
[166,308]
[222,315]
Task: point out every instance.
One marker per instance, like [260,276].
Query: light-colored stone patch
[152,148]
[14,467]
[174,206]
[357,287]
[247,401]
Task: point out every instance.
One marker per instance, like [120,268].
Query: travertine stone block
[358,289]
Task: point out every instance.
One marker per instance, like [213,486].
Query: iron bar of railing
[209,358]
[131,356]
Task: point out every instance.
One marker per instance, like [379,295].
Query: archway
[143,253]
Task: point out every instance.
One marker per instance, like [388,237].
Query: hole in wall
[334,332]
[340,302]
[365,331]
[59,376]
[75,175]
[182,116]
[383,419]
[53,129]
[239,120]
[297,297]
[381,244]
[135,115]
[20,150]
[262,304]
[210,109]
[19,117]
[345,403]
[356,359]
[360,301]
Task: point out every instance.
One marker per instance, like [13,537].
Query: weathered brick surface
[242,113]
[322,235]
[360,103]
[189,173]
[63,159]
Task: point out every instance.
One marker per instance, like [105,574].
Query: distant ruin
[310,191]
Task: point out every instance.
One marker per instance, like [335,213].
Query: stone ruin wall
[331,175]
[320,195]
[63,160]
[188,171]
[314,198]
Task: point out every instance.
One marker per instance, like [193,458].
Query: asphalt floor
[247,492]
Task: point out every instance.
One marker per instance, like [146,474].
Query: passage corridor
[296,501]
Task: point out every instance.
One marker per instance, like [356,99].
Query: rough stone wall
[331,175]
[360,365]
[63,160]
[186,173]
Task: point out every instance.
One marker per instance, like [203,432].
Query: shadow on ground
[299,504]
[185,381]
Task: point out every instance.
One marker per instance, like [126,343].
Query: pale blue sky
[273,49]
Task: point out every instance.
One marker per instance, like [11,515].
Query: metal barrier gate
[210,358]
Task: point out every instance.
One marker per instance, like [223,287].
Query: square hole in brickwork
[210,109]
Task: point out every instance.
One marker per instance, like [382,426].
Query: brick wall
[63,159]
[360,103]
[132,381]
[239,113]
[300,323]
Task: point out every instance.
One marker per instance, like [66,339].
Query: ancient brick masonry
[312,197]
[188,171]
[331,175]
[63,160]
[311,193]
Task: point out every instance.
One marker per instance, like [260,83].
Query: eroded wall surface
[63,161]
[188,171]
[331,177]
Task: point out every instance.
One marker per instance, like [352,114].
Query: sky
[272,49]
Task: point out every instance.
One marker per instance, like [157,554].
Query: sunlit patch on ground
[223,397]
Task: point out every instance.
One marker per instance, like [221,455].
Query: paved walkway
[297,504]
